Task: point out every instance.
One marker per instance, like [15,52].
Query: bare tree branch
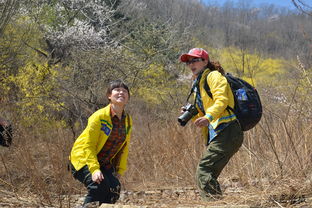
[303,7]
[7,10]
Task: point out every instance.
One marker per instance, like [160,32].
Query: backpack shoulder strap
[207,88]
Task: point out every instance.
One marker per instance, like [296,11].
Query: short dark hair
[116,84]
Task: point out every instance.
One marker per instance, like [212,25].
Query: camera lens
[184,118]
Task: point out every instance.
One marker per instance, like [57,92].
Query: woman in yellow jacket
[221,129]
[99,154]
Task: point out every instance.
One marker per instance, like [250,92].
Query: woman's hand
[201,122]
[97,177]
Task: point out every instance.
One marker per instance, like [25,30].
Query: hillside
[58,57]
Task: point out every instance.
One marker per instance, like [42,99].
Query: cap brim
[185,57]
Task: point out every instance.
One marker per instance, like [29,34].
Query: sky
[282,3]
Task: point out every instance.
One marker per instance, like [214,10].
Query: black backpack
[247,107]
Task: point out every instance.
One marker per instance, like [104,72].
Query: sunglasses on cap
[193,61]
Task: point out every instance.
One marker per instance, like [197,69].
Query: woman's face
[196,64]
[119,96]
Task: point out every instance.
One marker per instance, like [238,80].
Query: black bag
[6,135]
[247,107]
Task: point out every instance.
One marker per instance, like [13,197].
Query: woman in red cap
[223,134]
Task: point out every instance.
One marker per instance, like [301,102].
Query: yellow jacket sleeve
[218,87]
[91,135]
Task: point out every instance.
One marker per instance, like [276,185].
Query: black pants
[108,191]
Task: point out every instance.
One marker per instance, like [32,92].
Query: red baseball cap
[194,52]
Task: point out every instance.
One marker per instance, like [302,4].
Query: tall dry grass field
[273,163]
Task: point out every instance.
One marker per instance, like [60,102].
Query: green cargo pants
[214,159]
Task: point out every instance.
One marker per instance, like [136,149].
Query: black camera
[189,112]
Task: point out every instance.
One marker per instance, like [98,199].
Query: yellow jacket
[93,138]
[215,108]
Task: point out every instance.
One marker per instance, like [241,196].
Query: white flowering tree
[68,24]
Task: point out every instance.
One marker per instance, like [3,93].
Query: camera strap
[191,92]
[196,85]
[188,97]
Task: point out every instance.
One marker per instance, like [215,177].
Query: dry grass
[273,165]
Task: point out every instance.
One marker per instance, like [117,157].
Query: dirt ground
[189,197]
[163,197]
